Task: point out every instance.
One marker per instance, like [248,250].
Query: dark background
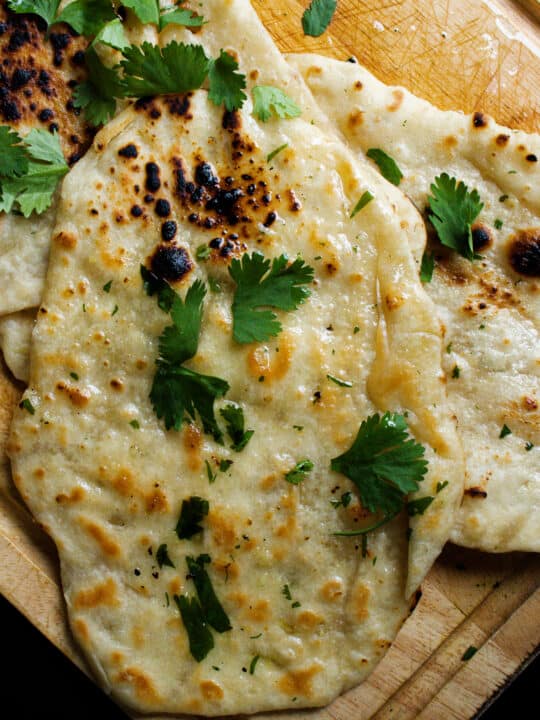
[39,682]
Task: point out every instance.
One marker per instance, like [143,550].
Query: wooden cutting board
[461,55]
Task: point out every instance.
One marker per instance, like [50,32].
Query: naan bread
[110,494]
[15,335]
[490,309]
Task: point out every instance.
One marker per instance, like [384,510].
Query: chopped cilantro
[258,286]
[269,100]
[356,329]
[215,287]
[529,446]
[344,501]
[299,472]
[199,635]
[213,611]
[384,464]
[180,16]
[29,173]
[296,604]
[469,652]
[441,486]
[203,252]
[498,224]
[112,34]
[298,427]
[191,514]
[162,557]
[276,151]
[114,310]
[505,430]
[255,637]
[211,475]
[253,664]
[449,348]
[226,85]
[456,372]
[364,546]
[453,210]
[419,506]
[366,198]
[337,381]
[74,375]
[107,286]
[27,405]
[146,10]
[503,198]
[286,592]
[224,465]
[427,267]
[135,424]
[386,165]
[317,17]
[234,417]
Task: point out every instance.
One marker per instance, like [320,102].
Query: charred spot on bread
[524,252]
[171,262]
[482,236]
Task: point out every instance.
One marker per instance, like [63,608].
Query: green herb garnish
[337,381]
[213,611]
[427,267]
[269,100]
[234,418]
[386,165]
[299,472]
[192,513]
[162,557]
[318,16]
[366,198]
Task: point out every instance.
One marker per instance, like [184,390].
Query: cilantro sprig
[149,11]
[261,284]
[453,211]
[385,464]
[178,392]
[30,170]
[152,70]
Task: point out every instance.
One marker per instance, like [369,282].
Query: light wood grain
[461,55]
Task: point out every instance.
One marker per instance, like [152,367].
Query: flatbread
[15,335]
[110,493]
[490,309]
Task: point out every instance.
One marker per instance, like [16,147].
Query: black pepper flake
[128,151]
[168,230]
[153,183]
[162,208]
[137,572]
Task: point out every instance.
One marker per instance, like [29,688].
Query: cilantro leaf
[318,16]
[199,635]
[87,17]
[179,341]
[427,267]
[383,464]
[33,191]
[97,94]
[226,85]
[269,100]
[299,472]
[154,284]
[180,16]
[112,34]
[276,151]
[386,164]
[365,198]
[175,68]
[178,391]
[191,514]
[146,10]
[46,9]
[213,611]
[162,557]
[13,156]
[258,286]
[344,501]
[453,210]
[234,417]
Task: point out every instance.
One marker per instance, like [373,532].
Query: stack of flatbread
[294,614]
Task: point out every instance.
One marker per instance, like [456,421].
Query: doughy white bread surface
[490,308]
[110,494]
